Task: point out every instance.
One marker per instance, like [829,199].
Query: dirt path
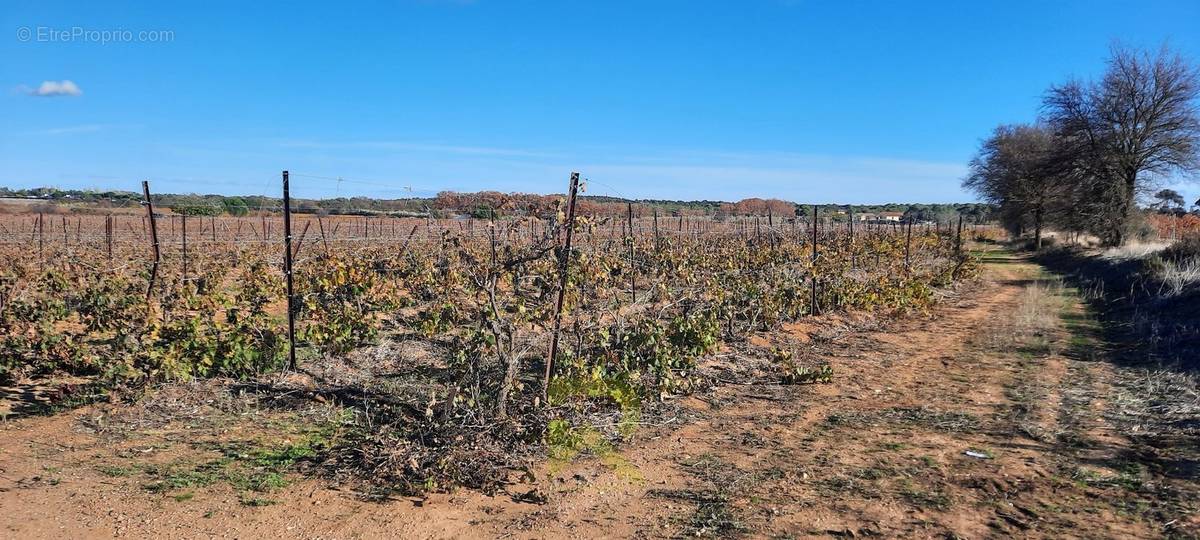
[986,419]
[883,450]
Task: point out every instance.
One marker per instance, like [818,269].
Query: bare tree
[1014,170]
[1121,135]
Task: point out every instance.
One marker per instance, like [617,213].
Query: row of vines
[642,304]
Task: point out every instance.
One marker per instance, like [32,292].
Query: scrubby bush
[1183,249]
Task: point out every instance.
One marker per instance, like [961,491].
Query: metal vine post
[632,261]
[958,237]
[287,271]
[183,255]
[564,261]
[814,310]
[153,236]
[908,246]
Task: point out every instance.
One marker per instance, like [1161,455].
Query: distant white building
[882,216]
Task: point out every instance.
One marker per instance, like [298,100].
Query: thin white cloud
[692,174]
[401,146]
[55,89]
[786,175]
[86,128]
[81,128]
[833,179]
[635,173]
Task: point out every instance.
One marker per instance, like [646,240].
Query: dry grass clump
[1134,251]
[1176,268]
[1035,317]
[1154,402]
[1039,308]
[1176,277]
[1171,269]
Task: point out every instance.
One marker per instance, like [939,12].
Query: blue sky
[861,102]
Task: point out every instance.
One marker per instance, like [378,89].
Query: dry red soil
[946,425]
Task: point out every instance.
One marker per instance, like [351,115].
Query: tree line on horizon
[487,204]
[1096,148]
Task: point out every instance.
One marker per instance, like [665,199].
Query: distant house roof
[892,214]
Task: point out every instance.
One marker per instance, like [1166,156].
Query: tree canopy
[1098,146]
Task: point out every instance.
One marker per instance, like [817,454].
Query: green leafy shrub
[340,304]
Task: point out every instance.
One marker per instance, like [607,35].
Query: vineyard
[624,308]
[1172,227]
